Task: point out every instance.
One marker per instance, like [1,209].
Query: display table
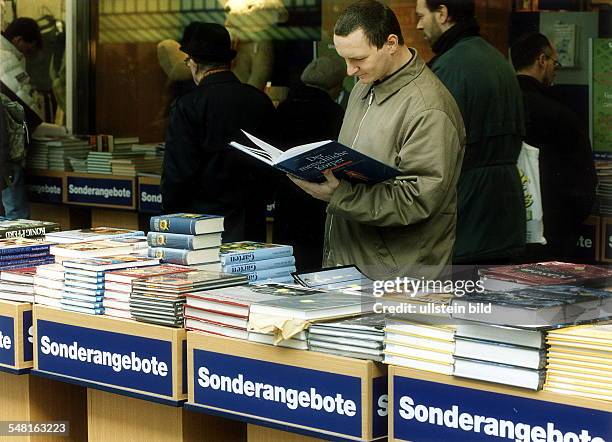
[16,337]
[431,407]
[313,394]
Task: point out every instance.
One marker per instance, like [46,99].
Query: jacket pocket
[384,256]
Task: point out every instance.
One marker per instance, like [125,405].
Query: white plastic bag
[528,165]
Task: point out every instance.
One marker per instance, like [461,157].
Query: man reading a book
[201,173]
[400,114]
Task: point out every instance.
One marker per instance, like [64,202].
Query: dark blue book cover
[187,223]
[310,160]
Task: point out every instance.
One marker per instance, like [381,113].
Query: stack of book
[160,299]
[26,228]
[92,234]
[225,311]
[17,285]
[186,239]
[134,166]
[336,278]
[23,252]
[100,162]
[118,286]
[92,249]
[504,355]
[423,343]
[84,281]
[54,153]
[49,285]
[604,187]
[261,262]
[360,337]
[513,277]
[579,361]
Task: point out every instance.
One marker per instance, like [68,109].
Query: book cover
[188,280]
[97,248]
[308,161]
[187,223]
[263,275]
[333,278]
[128,275]
[183,256]
[23,275]
[249,251]
[93,233]
[255,266]
[26,228]
[19,246]
[182,241]
[110,263]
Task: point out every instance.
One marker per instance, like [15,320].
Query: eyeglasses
[556,63]
[186,61]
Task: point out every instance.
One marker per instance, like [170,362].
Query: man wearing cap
[309,114]
[202,174]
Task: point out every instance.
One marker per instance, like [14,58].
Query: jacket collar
[6,45]
[527,82]
[220,77]
[390,85]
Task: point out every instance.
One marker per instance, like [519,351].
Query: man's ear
[541,60]
[392,43]
[441,15]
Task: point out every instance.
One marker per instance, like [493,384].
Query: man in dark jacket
[567,173]
[202,174]
[309,114]
[491,210]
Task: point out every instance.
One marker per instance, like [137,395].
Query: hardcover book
[92,234]
[17,246]
[110,263]
[184,282]
[249,251]
[91,249]
[128,275]
[184,256]
[187,223]
[535,307]
[255,266]
[182,241]
[308,161]
[26,228]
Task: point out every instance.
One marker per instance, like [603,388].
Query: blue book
[74,308]
[308,161]
[7,258]
[184,257]
[182,241]
[18,264]
[187,223]
[88,298]
[249,251]
[255,266]
[262,275]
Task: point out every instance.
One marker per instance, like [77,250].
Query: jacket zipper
[331,217]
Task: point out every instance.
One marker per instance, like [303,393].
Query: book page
[271,150]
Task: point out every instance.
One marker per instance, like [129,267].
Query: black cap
[208,42]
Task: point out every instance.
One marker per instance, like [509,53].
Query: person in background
[400,114]
[201,172]
[491,210]
[567,173]
[21,39]
[309,114]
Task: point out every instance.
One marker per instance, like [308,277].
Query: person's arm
[429,160]
[181,159]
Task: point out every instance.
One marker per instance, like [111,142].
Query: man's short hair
[458,10]
[375,19]
[527,48]
[26,28]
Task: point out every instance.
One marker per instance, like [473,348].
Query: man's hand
[322,191]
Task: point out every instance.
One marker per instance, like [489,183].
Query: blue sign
[44,189]
[28,336]
[149,198]
[118,359]
[380,402]
[429,411]
[293,395]
[7,340]
[105,191]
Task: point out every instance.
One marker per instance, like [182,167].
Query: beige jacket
[406,226]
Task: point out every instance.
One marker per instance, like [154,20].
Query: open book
[308,161]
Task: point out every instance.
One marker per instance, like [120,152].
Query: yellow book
[580,342]
[582,351]
[584,375]
[593,331]
[605,388]
[577,393]
[576,363]
[581,389]
[582,370]
[581,358]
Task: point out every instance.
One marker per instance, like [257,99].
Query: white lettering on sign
[585,243]
[45,189]
[518,431]
[116,361]
[97,191]
[5,341]
[31,334]
[383,405]
[148,198]
[292,398]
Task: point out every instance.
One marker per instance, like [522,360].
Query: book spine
[259,265]
[28,232]
[166,223]
[23,256]
[256,255]
[173,256]
[26,263]
[262,275]
[23,250]
[170,240]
